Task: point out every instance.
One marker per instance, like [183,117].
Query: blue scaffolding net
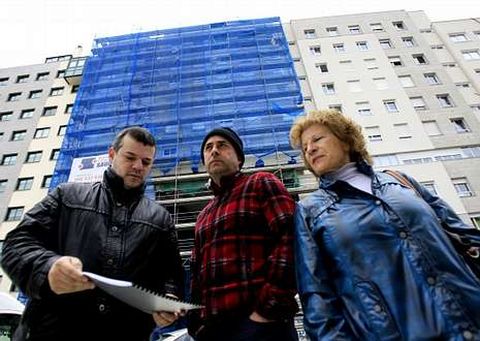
[179,84]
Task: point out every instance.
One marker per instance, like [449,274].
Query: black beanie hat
[231,136]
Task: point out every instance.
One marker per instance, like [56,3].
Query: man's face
[220,158]
[132,162]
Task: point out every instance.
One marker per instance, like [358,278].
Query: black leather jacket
[116,233]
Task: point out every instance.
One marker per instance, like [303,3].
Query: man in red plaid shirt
[242,263]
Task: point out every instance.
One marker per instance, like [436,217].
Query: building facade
[413,86]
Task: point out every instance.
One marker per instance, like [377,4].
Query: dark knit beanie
[231,136]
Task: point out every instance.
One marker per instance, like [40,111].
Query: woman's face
[322,150]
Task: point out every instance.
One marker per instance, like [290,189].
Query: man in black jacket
[109,228]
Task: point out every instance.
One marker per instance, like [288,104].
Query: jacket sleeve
[445,213]
[27,253]
[276,298]
[173,266]
[322,308]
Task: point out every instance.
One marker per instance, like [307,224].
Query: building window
[13,97]
[54,154]
[362,45]
[22,78]
[47,179]
[75,88]
[373,134]
[336,107]
[376,27]
[390,105]
[354,29]
[33,157]
[458,37]
[310,34]
[460,125]
[24,184]
[419,59]
[3,81]
[6,116]
[3,185]
[62,130]
[339,47]
[18,135]
[431,128]
[462,187]
[68,109]
[363,109]
[315,50]
[347,65]
[406,81]
[1,135]
[354,86]
[431,78]
[380,83]
[475,221]
[56,91]
[332,31]
[408,41]
[471,55]
[399,25]
[42,76]
[395,61]
[430,186]
[462,85]
[322,67]
[60,73]
[14,213]
[27,113]
[35,94]
[403,131]
[9,159]
[418,103]
[41,133]
[328,88]
[49,111]
[58,58]
[371,63]
[445,101]
[385,44]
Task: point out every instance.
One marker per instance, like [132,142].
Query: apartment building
[35,106]
[410,83]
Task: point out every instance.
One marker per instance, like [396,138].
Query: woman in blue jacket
[373,262]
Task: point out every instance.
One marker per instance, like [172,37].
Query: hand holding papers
[138,297]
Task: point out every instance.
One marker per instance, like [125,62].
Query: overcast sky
[31,30]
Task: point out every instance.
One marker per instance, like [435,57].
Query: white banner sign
[88,169]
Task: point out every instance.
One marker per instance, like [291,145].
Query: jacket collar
[226,183]
[326,181]
[115,183]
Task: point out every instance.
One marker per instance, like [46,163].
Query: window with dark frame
[24,184]
[33,157]
[14,213]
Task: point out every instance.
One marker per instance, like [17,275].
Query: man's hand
[165,318]
[65,276]
[259,318]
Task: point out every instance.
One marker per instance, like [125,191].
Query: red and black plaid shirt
[243,255]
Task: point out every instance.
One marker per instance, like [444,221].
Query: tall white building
[35,106]
[411,84]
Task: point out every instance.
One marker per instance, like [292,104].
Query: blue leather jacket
[380,267]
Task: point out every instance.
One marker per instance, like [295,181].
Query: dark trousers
[244,329]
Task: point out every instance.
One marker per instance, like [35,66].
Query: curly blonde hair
[343,127]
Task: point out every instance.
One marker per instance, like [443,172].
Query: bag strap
[402,179]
